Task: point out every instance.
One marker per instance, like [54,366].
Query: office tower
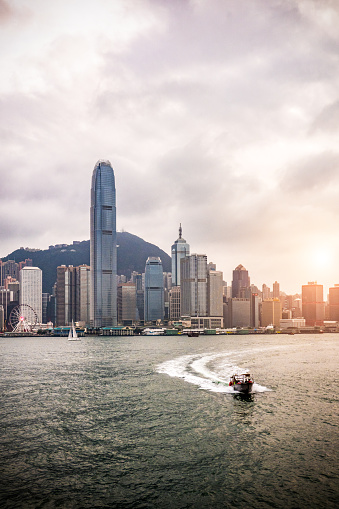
[2,318]
[266,292]
[45,302]
[240,283]
[214,292]
[239,311]
[82,294]
[103,250]
[65,295]
[138,280]
[271,313]
[174,303]
[154,290]
[27,263]
[276,290]
[313,306]
[9,268]
[194,285]
[180,250]
[30,279]
[127,305]
[333,302]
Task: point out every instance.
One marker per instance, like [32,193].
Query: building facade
[194,285]
[180,250]
[271,313]
[127,304]
[240,283]
[215,292]
[30,279]
[103,246]
[313,306]
[154,290]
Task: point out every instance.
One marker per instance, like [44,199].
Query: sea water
[150,422]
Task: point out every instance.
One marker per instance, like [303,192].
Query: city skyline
[223,117]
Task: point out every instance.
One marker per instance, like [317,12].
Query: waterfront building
[65,295]
[180,250]
[215,292]
[292,323]
[30,279]
[82,294]
[139,281]
[45,302]
[240,283]
[2,318]
[271,312]
[174,303]
[127,305]
[194,285]
[239,312]
[73,295]
[313,306]
[103,247]
[154,290]
[333,303]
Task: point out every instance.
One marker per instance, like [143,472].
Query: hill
[132,255]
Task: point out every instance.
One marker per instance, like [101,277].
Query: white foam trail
[195,369]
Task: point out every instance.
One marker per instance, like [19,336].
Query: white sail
[72,335]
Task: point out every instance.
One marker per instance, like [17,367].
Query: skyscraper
[103,251]
[154,289]
[31,289]
[313,306]
[194,286]
[180,250]
[240,283]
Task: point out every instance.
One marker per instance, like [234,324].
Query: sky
[221,115]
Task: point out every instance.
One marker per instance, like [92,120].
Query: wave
[208,371]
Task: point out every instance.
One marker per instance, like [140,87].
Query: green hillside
[132,255]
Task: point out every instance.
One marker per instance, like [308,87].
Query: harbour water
[150,422]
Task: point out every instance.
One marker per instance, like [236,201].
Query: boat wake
[209,372]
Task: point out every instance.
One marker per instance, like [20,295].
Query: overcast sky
[219,114]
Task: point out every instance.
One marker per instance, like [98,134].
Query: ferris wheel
[23,318]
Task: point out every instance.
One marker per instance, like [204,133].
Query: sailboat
[72,335]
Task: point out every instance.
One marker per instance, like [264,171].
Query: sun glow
[322,258]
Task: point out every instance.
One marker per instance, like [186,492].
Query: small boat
[242,383]
[193,334]
[72,335]
[153,332]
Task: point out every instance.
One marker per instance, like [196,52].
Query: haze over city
[221,115]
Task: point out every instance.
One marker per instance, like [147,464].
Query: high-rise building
[313,306]
[103,250]
[30,279]
[154,289]
[9,268]
[180,250]
[127,305]
[271,313]
[240,283]
[174,303]
[73,295]
[333,302]
[214,292]
[82,294]
[194,285]
[276,290]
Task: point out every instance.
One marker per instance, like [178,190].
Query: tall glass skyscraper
[103,253]
[154,290]
[180,250]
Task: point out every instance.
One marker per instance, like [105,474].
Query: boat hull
[244,388]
